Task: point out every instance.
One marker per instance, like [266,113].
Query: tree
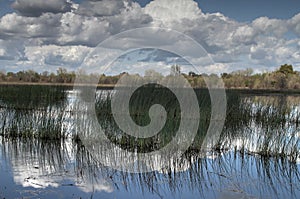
[226,75]
[286,69]
[281,80]
[193,74]
[62,75]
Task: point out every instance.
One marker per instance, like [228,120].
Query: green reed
[268,128]
[139,106]
[31,96]
[32,111]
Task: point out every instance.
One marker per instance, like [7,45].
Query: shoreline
[111,86]
[53,84]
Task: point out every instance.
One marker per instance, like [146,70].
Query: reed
[253,126]
[33,111]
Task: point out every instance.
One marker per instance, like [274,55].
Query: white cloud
[243,34]
[99,186]
[29,171]
[275,27]
[68,56]
[283,52]
[91,30]
[63,23]
[81,30]
[294,24]
[216,68]
[131,17]
[16,26]
[173,10]
[2,52]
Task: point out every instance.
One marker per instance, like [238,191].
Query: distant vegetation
[283,78]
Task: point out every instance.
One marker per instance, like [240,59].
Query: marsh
[42,154]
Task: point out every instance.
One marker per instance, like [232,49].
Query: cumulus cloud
[131,17]
[69,56]
[37,7]
[243,34]
[173,10]
[294,24]
[15,26]
[81,30]
[75,28]
[264,25]
[91,30]
[211,30]
[47,31]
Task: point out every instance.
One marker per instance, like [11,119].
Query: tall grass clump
[267,127]
[32,111]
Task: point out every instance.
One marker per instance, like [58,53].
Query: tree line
[283,78]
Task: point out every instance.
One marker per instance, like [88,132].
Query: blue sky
[5,7]
[247,10]
[44,35]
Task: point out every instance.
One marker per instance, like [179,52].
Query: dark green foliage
[31,97]
[286,69]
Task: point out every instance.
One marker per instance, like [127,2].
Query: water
[257,155]
[47,170]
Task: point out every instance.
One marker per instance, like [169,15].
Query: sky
[245,10]
[236,34]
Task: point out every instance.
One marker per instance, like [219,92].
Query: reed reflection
[256,156]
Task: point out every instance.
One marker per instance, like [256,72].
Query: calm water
[257,155]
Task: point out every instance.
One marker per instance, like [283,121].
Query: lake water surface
[257,155]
